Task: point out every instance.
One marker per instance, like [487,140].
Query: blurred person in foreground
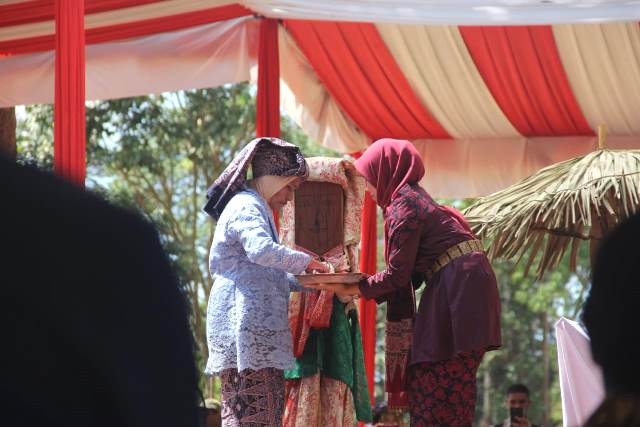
[94,327]
[611,317]
[383,416]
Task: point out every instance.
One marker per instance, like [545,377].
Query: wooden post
[8,132]
[602,137]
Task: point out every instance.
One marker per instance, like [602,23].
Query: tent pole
[69,148]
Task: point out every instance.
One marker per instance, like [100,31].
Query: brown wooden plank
[319,208]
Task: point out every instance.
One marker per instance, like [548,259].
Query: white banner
[581,384]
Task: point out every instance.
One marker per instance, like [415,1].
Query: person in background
[248,332]
[432,356]
[517,402]
[385,417]
[94,326]
[611,318]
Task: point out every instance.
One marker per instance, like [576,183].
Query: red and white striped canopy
[486,104]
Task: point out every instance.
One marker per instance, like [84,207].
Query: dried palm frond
[555,208]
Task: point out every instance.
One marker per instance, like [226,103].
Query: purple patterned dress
[458,317]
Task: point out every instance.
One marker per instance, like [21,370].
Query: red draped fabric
[129,30]
[69,116]
[356,67]
[522,69]
[268,97]
[28,12]
[368,308]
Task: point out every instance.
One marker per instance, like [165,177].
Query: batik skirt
[443,393]
[252,398]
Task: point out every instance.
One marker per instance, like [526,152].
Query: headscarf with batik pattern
[267,156]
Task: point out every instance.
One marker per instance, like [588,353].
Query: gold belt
[452,253]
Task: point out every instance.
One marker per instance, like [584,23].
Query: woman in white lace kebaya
[248,333]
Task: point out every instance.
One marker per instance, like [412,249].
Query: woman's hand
[318,267]
[345,298]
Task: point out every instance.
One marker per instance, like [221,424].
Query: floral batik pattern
[252,398]
[319,401]
[444,393]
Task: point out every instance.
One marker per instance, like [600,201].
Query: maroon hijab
[389,164]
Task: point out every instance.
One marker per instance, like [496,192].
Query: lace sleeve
[251,228]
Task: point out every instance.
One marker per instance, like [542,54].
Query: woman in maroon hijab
[432,354]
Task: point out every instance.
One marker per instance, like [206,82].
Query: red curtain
[268,98]
[28,12]
[355,66]
[69,115]
[522,69]
[128,30]
[268,102]
[368,309]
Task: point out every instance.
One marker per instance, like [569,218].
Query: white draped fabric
[581,384]
[603,66]
[205,56]
[452,12]
[474,168]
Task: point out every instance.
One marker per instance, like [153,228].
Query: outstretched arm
[404,240]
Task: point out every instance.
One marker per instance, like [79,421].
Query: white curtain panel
[581,384]
[452,12]
[478,167]
[205,56]
[602,63]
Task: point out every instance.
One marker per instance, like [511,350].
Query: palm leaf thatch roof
[560,205]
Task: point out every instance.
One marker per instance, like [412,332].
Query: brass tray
[329,278]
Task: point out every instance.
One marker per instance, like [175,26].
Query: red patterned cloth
[318,401]
[308,310]
[397,346]
[444,393]
[252,398]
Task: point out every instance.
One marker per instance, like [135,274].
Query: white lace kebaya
[247,324]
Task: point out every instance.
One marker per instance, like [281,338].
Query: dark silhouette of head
[612,308]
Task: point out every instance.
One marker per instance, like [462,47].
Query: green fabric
[337,353]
